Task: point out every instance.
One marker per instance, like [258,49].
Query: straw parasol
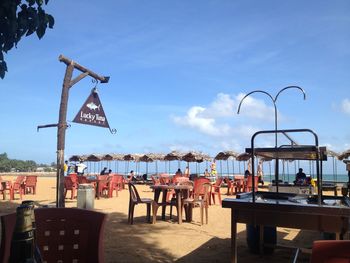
[75,158]
[196,157]
[225,156]
[151,157]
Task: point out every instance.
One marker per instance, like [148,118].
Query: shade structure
[195,157]
[243,157]
[225,155]
[76,158]
[173,156]
[151,157]
[344,155]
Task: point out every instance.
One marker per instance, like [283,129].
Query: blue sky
[178,71]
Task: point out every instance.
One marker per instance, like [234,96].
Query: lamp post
[274,99]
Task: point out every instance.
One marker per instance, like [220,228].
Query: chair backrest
[31,180]
[198,185]
[74,177]
[68,183]
[82,180]
[330,251]
[180,179]
[218,181]
[134,195]
[155,180]
[164,179]
[250,182]
[202,192]
[20,179]
[61,234]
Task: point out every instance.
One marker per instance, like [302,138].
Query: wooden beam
[68,61]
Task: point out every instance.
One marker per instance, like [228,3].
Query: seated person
[178,172]
[300,177]
[104,171]
[206,173]
[246,174]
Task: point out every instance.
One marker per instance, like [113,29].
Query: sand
[167,241]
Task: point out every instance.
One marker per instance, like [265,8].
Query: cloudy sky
[179,70]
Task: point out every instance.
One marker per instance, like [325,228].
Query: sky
[178,71]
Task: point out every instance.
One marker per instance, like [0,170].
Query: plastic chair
[62,235]
[198,183]
[4,187]
[30,183]
[215,190]
[184,194]
[200,199]
[69,185]
[331,251]
[135,200]
[248,187]
[18,186]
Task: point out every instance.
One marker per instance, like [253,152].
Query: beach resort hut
[151,157]
[95,159]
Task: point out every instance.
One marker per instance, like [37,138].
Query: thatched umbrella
[173,156]
[93,158]
[75,158]
[130,157]
[196,157]
[225,156]
[243,157]
[151,157]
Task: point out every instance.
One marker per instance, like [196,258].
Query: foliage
[8,165]
[19,19]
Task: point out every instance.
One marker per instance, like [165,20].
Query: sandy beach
[167,241]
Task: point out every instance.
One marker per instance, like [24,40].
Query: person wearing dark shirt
[104,171]
[300,177]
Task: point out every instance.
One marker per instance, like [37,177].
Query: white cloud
[196,120]
[255,108]
[345,106]
[220,118]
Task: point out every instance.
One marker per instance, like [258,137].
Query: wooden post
[62,121]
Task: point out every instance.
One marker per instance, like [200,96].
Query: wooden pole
[62,119]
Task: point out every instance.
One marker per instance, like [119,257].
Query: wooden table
[179,191]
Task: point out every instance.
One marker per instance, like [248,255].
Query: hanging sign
[91,113]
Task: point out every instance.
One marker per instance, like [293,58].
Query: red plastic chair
[63,235]
[82,180]
[69,185]
[30,183]
[74,177]
[331,251]
[215,190]
[114,184]
[18,186]
[200,199]
[6,186]
[198,185]
[248,186]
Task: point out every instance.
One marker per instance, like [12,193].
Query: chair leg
[149,212]
[201,207]
[206,214]
[132,208]
[154,212]
[219,197]
[213,196]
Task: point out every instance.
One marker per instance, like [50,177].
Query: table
[288,210]
[98,182]
[179,190]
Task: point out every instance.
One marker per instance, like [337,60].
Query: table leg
[261,239]
[179,206]
[164,203]
[233,236]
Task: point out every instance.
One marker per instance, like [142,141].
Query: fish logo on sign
[92,113]
[93,106]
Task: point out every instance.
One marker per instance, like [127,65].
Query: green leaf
[41,31]
[51,20]
[31,2]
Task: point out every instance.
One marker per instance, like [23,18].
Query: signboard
[91,113]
